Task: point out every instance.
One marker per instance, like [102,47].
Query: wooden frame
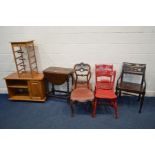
[26,88]
[58,76]
[25,58]
[104,88]
[131,88]
[81,92]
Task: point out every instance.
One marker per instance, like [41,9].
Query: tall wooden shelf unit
[25,84]
[25,59]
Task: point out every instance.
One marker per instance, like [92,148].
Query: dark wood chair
[132,81]
[81,92]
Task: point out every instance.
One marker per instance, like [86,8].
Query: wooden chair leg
[68,100]
[141,103]
[116,110]
[90,106]
[72,108]
[94,108]
[116,92]
[139,97]
[120,93]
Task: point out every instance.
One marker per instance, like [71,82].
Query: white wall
[65,46]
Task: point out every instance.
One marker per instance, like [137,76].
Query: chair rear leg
[141,103]
[90,106]
[68,100]
[139,97]
[120,93]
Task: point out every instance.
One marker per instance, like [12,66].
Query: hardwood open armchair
[81,92]
[132,81]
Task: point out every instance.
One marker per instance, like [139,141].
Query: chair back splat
[105,76]
[82,74]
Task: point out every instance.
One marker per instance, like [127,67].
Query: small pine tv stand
[26,88]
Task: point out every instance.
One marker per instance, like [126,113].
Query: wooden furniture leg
[141,103]
[72,108]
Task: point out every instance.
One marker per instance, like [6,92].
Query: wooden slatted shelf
[24,55]
[17,86]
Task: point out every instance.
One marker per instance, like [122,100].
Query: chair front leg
[139,97]
[116,92]
[120,93]
[94,108]
[115,108]
[91,107]
[72,108]
[141,102]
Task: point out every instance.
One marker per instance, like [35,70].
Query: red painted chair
[81,92]
[104,88]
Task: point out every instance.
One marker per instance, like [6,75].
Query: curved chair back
[82,73]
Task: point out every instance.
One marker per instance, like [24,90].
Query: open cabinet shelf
[26,88]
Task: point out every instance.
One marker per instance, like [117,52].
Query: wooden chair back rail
[103,67]
[104,75]
[103,70]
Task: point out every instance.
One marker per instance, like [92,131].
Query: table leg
[72,79]
[47,86]
[68,92]
[53,89]
[68,86]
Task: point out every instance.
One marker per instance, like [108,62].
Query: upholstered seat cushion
[82,94]
[79,85]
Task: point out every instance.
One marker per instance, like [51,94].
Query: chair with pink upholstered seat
[81,92]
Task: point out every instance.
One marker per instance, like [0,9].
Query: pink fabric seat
[82,94]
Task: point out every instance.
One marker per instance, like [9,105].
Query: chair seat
[130,87]
[82,95]
[81,85]
[105,94]
[104,85]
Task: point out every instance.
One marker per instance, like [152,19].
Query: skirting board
[148,93]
